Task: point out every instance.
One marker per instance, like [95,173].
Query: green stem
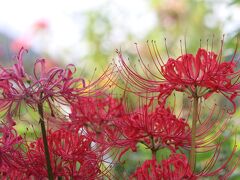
[44,137]
[193,134]
[154,153]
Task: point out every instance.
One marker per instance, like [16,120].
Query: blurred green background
[87,33]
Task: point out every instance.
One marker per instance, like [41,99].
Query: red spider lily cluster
[85,131]
[175,167]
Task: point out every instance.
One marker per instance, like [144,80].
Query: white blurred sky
[16,17]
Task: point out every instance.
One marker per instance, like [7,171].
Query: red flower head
[202,74]
[56,85]
[155,129]
[198,75]
[174,168]
[72,156]
[96,116]
[10,150]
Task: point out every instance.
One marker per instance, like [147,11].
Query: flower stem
[44,137]
[193,134]
[154,153]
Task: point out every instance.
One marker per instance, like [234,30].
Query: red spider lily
[95,112]
[10,150]
[203,74]
[72,156]
[199,75]
[174,168]
[96,116]
[56,85]
[155,129]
